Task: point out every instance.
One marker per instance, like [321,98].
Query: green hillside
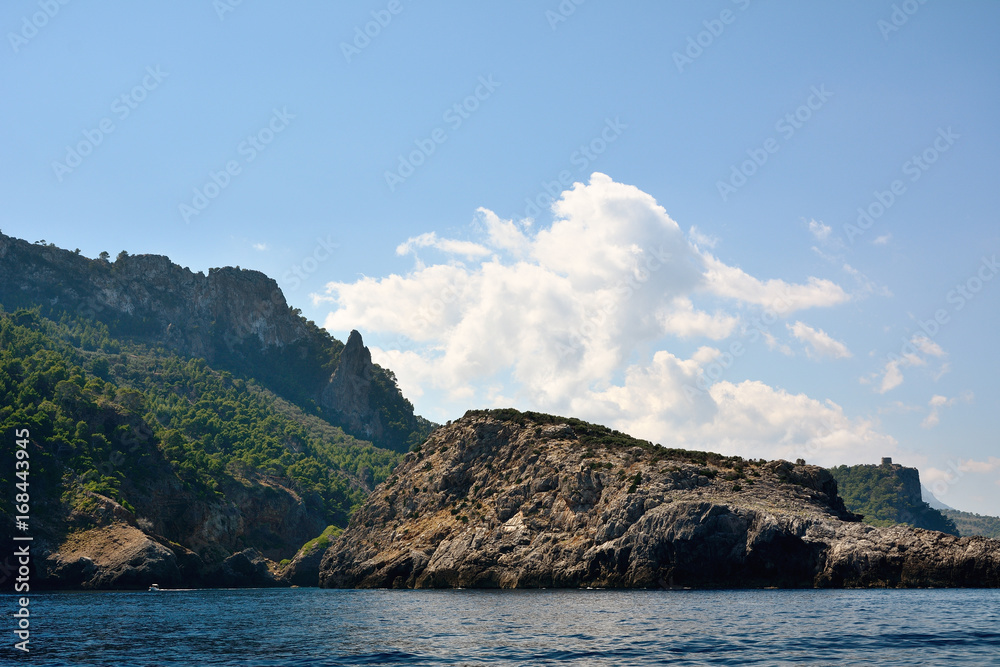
[888,494]
[970,524]
[102,411]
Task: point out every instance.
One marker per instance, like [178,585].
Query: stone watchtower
[887,460]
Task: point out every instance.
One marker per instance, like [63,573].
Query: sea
[310,627]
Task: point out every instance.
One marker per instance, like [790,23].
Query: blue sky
[709,160]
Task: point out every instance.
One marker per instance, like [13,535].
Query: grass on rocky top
[595,435]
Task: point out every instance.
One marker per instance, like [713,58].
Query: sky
[759,228]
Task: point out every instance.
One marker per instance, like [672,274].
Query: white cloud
[819,230]
[773,344]
[681,318]
[449,246]
[882,240]
[774,295]
[981,467]
[701,240]
[916,351]
[573,319]
[937,403]
[820,343]
[892,377]
[260,246]
[940,481]
[503,234]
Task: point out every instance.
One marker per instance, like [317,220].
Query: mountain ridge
[235,319]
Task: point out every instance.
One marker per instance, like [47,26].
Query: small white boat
[154,587]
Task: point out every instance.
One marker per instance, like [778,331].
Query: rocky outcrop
[114,556]
[303,570]
[512,500]
[121,556]
[348,395]
[244,569]
[170,534]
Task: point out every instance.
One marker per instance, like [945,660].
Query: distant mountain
[932,500]
[969,523]
[889,494]
[184,429]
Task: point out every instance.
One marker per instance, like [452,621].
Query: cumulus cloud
[820,343]
[775,295]
[882,240]
[937,403]
[940,481]
[819,230]
[989,465]
[700,239]
[576,318]
[917,351]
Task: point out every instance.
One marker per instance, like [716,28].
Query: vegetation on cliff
[122,421]
[888,495]
[235,320]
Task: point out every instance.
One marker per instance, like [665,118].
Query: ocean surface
[303,627]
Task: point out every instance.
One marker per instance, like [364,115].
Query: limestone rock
[114,556]
[243,569]
[512,500]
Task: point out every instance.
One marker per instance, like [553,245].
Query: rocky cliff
[235,319]
[510,500]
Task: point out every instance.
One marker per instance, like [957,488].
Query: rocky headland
[502,499]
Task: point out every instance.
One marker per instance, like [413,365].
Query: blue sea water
[307,627]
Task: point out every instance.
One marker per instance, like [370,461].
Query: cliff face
[235,319]
[348,395]
[170,535]
[511,500]
[152,298]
